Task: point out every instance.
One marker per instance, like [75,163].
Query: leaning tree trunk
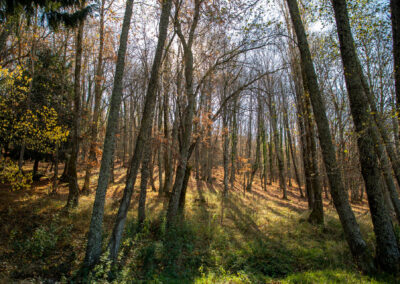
[144,177]
[387,250]
[142,139]
[384,149]
[95,241]
[351,229]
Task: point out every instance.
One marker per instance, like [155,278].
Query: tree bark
[142,139]
[351,229]
[278,149]
[291,148]
[395,16]
[145,173]
[94,245]
[387,251]
[187,116]
[73,194]
[97,101]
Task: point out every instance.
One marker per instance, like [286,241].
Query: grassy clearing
[252,238]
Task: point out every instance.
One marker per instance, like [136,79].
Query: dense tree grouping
[299,94]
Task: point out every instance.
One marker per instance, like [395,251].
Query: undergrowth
[241,239]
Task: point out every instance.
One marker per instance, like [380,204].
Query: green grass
[247,239]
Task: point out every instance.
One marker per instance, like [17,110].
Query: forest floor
[255,237]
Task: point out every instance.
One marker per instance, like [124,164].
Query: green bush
[40,244]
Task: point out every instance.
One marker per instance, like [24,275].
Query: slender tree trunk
[142,139]
[289,139]
[234,142]
[95,241]
[317,213]
[145,173]
[187,116]
[256,163]
[278,149]
[225,139]
[160,148]
[182,198]
[395,15]
[387,251]
[55,177]
[271,160]
[97,102]
[264,151]
[352,232]
[73,194]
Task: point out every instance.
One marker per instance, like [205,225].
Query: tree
[395,13]
[144,132]
[189,110]
[351,229]
[387,252]
[94,246]
[96,112]
[73,194]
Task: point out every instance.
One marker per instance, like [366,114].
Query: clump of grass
[336,276]
[38,253]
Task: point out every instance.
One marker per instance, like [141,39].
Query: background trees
[183,95]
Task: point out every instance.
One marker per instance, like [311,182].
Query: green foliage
[42,241]
[102,270]
[334,276]
[39,248]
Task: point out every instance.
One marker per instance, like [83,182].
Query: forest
[199,141]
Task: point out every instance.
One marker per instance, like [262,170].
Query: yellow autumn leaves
[39,128]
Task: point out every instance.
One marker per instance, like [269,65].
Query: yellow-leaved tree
[39,129]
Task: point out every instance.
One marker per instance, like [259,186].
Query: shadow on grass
[243,246]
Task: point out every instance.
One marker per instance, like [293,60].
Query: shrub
[10,173]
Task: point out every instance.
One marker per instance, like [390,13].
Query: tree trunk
[395,15]
[97,102]
[142,139]
[387,251]
[264,151]
[35,169]
[187,116]
[93,249]
[73,194]
[225,150]
[55,177]
[182,198]
[234,142]
[145,173]
[292,152]
[351,229]
[278,149]
[256,163]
